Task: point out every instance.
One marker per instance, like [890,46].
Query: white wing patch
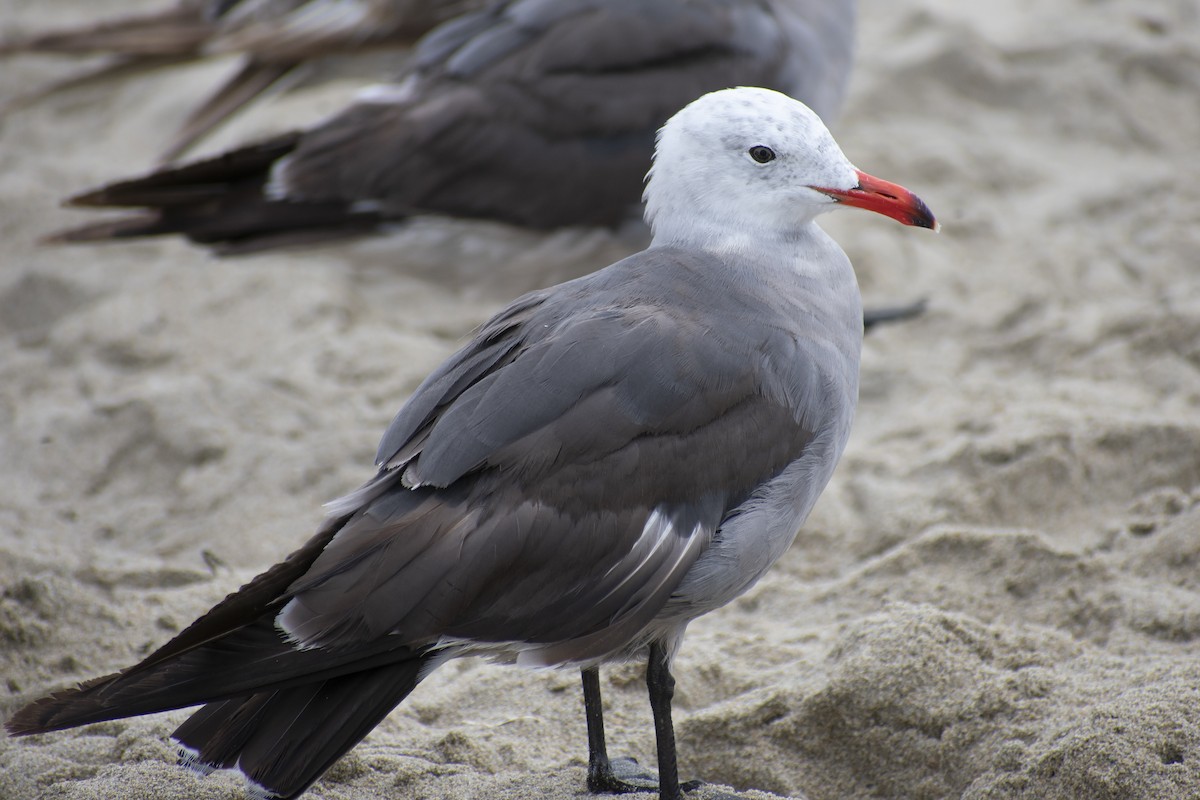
[657,534]
[276,186]
[388,93]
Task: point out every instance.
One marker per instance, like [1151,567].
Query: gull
[534,113]
[603,462]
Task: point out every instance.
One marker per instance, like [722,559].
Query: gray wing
[818,52]
[557,95]
[567,468]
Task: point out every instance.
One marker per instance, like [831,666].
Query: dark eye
[762,154]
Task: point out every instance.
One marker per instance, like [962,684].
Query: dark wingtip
[89,199]
[148,224]
[25,723]
[43,715]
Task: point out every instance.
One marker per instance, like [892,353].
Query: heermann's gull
[274,36]
[603,462]
[538,113]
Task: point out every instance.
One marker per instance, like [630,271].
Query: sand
[997,598]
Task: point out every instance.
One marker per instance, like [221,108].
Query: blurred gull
[536,113]
[275,38]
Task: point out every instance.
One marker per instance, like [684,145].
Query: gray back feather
[663,387]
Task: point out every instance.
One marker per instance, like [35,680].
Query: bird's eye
[762,154]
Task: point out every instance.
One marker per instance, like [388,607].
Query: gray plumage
[589,408]
[603,462]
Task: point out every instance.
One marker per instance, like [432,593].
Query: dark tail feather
[251,229]
[220,202]
[254,78]
[254,659]
[233,651]
[132,226]
[206,180]
[285,740]
[176,31]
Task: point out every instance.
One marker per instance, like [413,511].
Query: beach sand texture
[998,597]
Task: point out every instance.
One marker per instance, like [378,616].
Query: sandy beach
[997,598]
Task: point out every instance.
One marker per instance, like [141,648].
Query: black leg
[593,710]
[616,777]
[661,684]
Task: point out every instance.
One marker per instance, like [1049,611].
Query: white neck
[800,248]
[725,239]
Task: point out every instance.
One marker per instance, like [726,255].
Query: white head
[751,164]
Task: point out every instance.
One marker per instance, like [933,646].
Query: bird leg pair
[622,775]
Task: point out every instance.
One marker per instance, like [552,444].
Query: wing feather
[570,464]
